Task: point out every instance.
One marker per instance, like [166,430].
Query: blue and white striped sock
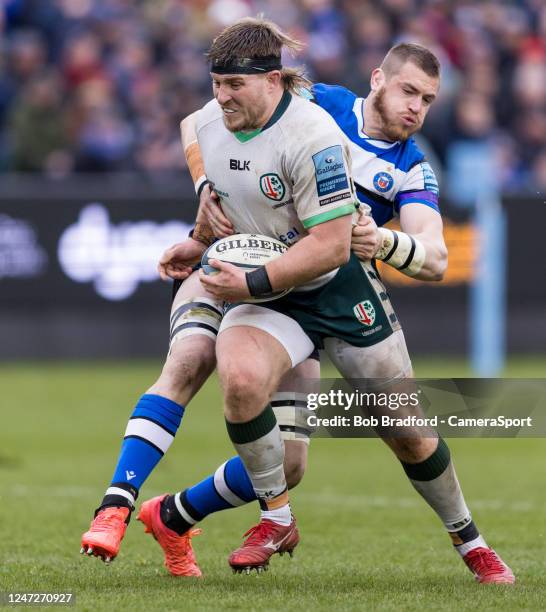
[150,431]
[228,487]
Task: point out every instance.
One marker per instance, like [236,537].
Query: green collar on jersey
[277,114]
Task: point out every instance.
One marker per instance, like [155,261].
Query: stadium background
[93,187]
[91,96]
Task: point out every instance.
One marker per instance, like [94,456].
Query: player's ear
[273,78]
[377,79]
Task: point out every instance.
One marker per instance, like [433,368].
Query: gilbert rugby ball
[247,251]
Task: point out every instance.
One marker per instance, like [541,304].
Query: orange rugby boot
[105,533]
[179,555]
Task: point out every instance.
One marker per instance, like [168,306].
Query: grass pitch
[368,541]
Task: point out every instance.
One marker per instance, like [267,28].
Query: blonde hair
[257,37]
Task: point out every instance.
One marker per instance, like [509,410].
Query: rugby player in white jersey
[248,377]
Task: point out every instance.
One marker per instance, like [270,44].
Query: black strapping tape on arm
[411,254]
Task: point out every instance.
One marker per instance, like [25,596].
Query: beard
[393,131]
[246,120]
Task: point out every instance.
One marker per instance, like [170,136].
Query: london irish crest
[365,312]
[272,186]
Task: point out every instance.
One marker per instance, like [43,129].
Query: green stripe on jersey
[328,216]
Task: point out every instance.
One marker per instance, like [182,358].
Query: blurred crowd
[101,85]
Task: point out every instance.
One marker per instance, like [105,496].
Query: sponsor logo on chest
[290,236]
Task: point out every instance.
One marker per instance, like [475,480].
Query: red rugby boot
[105,533]
[488,567]
[264,540]
[179,556]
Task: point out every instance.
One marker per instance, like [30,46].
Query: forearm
[308,259]
[418,255]
[202,232]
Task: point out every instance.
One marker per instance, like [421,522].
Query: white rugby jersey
[282,179]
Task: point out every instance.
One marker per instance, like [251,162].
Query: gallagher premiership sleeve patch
[331,175]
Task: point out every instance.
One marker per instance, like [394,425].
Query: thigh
[281,330]
[252,358]
[194,312]
[385,361]
[194,322]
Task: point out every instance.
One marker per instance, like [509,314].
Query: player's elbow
[439,265]
[341,253]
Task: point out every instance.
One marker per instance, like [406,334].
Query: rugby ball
[247,251]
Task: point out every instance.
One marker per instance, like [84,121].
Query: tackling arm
[418,250]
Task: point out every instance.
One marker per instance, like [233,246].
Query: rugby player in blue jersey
[394,179]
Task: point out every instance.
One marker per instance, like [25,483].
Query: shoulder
[307,122]
[209,113]
[333,97]
[410,155]
[420,184]
[418,165]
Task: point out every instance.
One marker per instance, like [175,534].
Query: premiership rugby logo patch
[272,187]
[365,313]
[330,172]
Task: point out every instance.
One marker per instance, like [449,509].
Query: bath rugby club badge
[383,182]
[365,312]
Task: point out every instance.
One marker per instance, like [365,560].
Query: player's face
[402,101]
[244,99]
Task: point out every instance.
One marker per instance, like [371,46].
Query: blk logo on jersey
[272,187]
[365,313]
[383,182]
[237,164]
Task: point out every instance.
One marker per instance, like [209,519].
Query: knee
[244,385]
[191,359]
[190,362]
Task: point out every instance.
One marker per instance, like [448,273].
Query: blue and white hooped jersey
[387,175]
